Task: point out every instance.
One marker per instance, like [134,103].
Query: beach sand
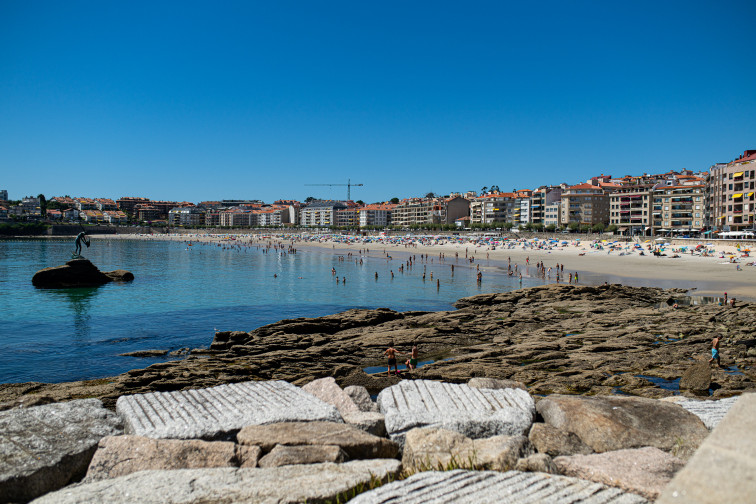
[702,276]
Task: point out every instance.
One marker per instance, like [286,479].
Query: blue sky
[210,100]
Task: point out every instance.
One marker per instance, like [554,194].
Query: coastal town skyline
[188,102]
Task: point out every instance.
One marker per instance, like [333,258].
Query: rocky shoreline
[564,339]
[537,395]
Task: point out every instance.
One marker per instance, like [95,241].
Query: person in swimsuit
[412,361]
[715,350]
[391,353]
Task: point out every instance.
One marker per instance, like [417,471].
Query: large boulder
[490,487]
[554,442]
[77,273]
[356,443]
[429,449]
[697,377]
[645,471]
[474,412]
[44,448]
[284,485]
[121,455]
[219,411]
[608,423]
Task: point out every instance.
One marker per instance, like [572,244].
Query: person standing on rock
[412,361]
[391,353]
[715,350]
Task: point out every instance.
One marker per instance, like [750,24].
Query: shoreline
[701,276]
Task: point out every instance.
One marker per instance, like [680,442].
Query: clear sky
[209,100]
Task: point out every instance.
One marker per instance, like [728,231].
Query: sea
[182,294]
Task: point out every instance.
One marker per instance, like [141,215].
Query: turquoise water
[181,295]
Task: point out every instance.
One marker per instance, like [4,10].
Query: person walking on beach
[715,350]
[391,353]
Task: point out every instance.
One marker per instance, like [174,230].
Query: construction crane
[348,185]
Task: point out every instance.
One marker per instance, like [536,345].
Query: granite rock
[490,487]
[607,423]
[77,273]
[357,444]
[710,412]
[361,398]
[43,448]
[439,449]
[327,390]
[282,455]
[697,377]
[220,411]
[538,462]
[474,412]
[644,471]
[493,383]
[121,455]
[723,467]
[282,485]
[554,442]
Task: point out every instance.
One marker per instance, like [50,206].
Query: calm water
[181,295]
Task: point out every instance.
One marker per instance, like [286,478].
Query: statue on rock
[81,237]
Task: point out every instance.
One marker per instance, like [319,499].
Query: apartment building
[731,193]
[430,211]
[630,208]
[128,204]
[679,208]
[379,214]
[498,207]
[236,217]
[584,204]
[4,195]
[542,197]
[320,213]
[3,214]
[275,215]
[114,217]
[147,213]
[28,208]
[551,213]
[105,204]
[186,216]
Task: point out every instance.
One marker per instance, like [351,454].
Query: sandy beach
[595,262]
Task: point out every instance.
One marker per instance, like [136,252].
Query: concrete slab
[325,482]
[216,412]
[474,412]
[723,469]
[482,487]
[43,448]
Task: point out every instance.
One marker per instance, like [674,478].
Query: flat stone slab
[474,412]
[710,412]
[44,448]
[356,443]
[645,471]
[482,487]
[723,469]
[121,455]
[282,485]
[218,411]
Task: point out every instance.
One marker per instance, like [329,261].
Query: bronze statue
[81,237]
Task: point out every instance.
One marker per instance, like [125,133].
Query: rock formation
[78,273]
